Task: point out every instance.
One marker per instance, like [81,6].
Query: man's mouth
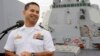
[32,16]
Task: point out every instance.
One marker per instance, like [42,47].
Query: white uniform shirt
[22,39]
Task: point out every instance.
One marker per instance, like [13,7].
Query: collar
[36,27]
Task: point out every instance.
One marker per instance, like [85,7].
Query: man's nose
[34,13]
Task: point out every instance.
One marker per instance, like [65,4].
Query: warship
[75,27]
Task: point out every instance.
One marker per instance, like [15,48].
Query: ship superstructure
[71,19]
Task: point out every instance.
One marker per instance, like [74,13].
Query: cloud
[95,2]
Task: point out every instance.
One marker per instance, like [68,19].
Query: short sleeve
[48,42]
[10,42]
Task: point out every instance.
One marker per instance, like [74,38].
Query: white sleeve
[48,42]
[10,42]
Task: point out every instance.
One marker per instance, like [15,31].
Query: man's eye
[37,12]
[32,10]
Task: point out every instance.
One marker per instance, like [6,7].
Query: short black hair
[30,3]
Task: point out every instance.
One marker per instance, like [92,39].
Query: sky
[95,2]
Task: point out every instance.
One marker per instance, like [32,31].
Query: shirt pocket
[37,42]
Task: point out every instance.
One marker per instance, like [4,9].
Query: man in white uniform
[30,40]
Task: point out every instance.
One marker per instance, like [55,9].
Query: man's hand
[25,53]
[45,53]
[9,53]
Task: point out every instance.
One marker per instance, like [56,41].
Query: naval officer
[30,39]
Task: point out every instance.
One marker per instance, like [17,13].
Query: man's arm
[9,46]
[45,53]
[9,53]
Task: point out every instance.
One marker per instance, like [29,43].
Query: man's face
[32,13]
